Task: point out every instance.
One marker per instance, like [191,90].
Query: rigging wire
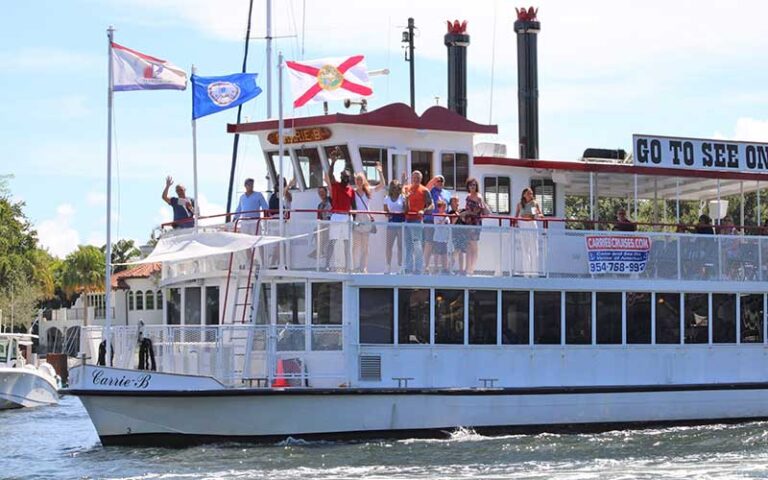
[493,62]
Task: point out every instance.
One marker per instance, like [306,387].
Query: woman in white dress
[364,225]
[527,212]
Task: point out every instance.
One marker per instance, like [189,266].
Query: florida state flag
[328,79]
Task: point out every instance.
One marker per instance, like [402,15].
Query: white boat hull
[184,416]
[26,387]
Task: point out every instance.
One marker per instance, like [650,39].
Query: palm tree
[84,271]
[122,252]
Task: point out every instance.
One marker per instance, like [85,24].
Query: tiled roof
[144,270]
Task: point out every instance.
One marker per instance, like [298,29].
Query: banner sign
[700,154]
[617,253]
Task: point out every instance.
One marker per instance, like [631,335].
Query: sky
[607,69]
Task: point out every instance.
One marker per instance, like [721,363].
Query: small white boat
[22,384]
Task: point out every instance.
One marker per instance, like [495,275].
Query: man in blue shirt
[253,204]
[183,207]
[438,193]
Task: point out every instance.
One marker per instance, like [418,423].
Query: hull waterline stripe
[513,391]
[180,440]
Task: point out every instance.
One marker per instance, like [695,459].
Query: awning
[191,245]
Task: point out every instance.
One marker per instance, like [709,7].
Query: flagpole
[269,59]
[280,128]
[194,162]
[108,248]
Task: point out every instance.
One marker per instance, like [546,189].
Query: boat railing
[504,246]
[236,355]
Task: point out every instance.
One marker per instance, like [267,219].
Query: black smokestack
[527,27]
[457,41]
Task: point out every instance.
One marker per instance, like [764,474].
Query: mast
[269,58]
[236,141]
[108,248]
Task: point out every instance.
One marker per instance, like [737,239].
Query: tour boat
[23,384]
[274,329]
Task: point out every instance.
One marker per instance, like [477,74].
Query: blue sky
[607,69]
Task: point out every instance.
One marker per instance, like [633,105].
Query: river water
[60,442]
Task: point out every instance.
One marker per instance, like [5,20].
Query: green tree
[24,267]
[122,252]
[84,271]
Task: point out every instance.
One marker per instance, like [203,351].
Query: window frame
[384,162]
[509,194]
[534,183]
[457,186]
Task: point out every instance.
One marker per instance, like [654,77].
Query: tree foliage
[122,252]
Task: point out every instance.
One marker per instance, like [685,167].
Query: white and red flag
[132,70]
[328,79]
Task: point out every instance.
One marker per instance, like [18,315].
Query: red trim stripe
[138,54]
[613,168]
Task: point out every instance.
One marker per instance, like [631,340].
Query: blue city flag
[214,94]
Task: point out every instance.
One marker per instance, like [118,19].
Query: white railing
[259,355]
[506,251]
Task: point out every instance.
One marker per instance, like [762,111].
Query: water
[59,442]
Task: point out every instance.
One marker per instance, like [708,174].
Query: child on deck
[440,237]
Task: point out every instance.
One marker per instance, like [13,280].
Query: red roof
[144,270]
[396,115]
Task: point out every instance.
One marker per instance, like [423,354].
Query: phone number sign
[617,253]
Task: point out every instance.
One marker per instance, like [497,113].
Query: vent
[370,368]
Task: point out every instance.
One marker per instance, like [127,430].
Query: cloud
[46,59]
[747,129]
[57,234]
[96,198]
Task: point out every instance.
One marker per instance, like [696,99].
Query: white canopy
[186,246]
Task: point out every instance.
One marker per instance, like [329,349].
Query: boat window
[413,315]
[326,303]
[290,303]
[344,161]
[751,318]
[608,318]
[515,318]
[212,306]
[482,317]
[4,342]
[369,156]
[192,313]
[449,317]
[130,300]
[173,307]
[422,161]
[667,318]
[290,312]
[723,318]
[544,191]
[149,298]
[139,300]
[263,310]
[455,169]
[274,167]
[546,318]
[377,315]
[311,166]
[496,193]
[578,318]
[638,317]
[696,318]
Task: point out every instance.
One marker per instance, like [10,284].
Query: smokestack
[527,27]
[457,41]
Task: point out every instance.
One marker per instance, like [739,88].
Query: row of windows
[455,166]
[490,317]
[149,300]
[197,309]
